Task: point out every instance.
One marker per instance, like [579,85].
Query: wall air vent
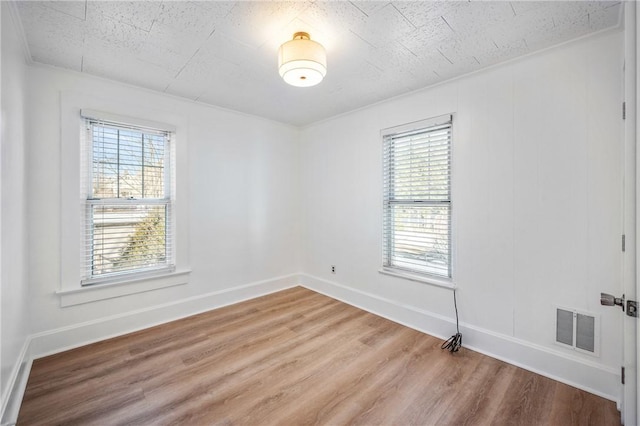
[578,330]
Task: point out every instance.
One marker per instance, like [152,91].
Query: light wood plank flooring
[290,358]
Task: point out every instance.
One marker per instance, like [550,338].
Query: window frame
[67,287]
[390,264]
[90,201]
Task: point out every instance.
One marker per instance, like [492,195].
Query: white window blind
[127,206]
[417,198]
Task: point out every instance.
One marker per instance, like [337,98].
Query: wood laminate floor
[290,358]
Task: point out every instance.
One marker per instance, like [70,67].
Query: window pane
[127,163]
[130,181]
[126,238]
[130,149]
[418,168]
[153,182]
[418,238]
[105,180]
[105,145]
[153,150]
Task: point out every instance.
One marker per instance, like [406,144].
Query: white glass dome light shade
[302,62]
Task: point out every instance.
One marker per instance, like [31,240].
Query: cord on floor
[453,343]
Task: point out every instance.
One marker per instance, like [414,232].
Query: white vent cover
[578,330]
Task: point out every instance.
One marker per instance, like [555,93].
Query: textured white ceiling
[225,53]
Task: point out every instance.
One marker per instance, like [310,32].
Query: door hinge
[622,375]
[624,110]
[624,238]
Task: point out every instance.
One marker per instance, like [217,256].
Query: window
[417,198]
[127,202]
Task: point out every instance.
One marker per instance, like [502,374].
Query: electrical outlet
[333,269]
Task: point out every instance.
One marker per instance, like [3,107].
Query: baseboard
[580,373]
[17,385]
[65,338]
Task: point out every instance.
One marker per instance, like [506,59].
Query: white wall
[14,315]
[241,190]
[537,193]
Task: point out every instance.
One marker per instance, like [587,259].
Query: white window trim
[122,119]
[133,285]
[426,278]
[421,278]
[70,288]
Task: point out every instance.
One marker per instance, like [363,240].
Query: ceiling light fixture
[302,62]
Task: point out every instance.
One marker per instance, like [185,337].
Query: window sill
[419,278]
[93,293]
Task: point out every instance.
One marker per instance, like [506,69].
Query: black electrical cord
[454,342]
